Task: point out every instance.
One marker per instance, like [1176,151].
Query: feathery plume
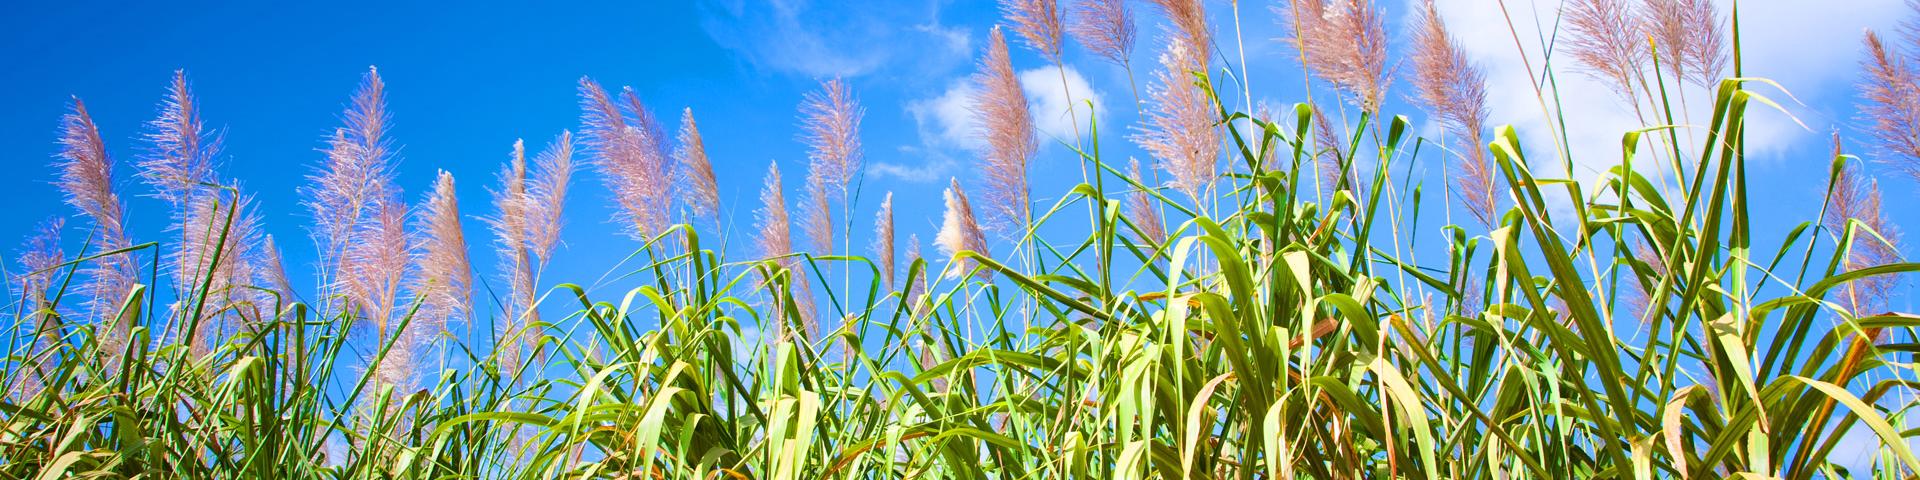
[1892,106]
[959,232]
[441,260]
[817,223]
[1180,127]
[397,367]
[1841,193]
[440,284]
[830,126]
[1037,21]
[1690,41]
[219,235]
[1344,43]
[218,255]
[1476,185]
[336,195]
[183,152]
[40,254]
[1449,83]
[915,289]
[1606,41]
[511,239]
[273,272]
[776,241]
[231,225]
[1189,19]
[378,265]
[883,240]
[243,246]
[776,238]
[650,136]
[695,169]
[916,296]
[1455,92]
[1637,299]
[1863,204]
[511,224]
[1140,209]
[546,196]
[368,117]
[1104,27]
[1007,127]
[931,355]
[633,154]
[1332,149]
[39,259]
[357,178]
[86,180]
[1856,199]
[375,270]
[1269,148]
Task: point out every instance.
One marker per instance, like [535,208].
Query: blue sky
[466,80]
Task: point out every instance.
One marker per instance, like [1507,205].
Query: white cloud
[1814,50]
[931,166]
[947,126]
[947,121]
[943,124]
[785,36]
[1049,96]
[955,39]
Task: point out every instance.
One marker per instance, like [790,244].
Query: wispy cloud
[1048,95]
[1814,50]
[947,128]
[931,165]
[785,36]
[947,121]
[954,39]
[944,125]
